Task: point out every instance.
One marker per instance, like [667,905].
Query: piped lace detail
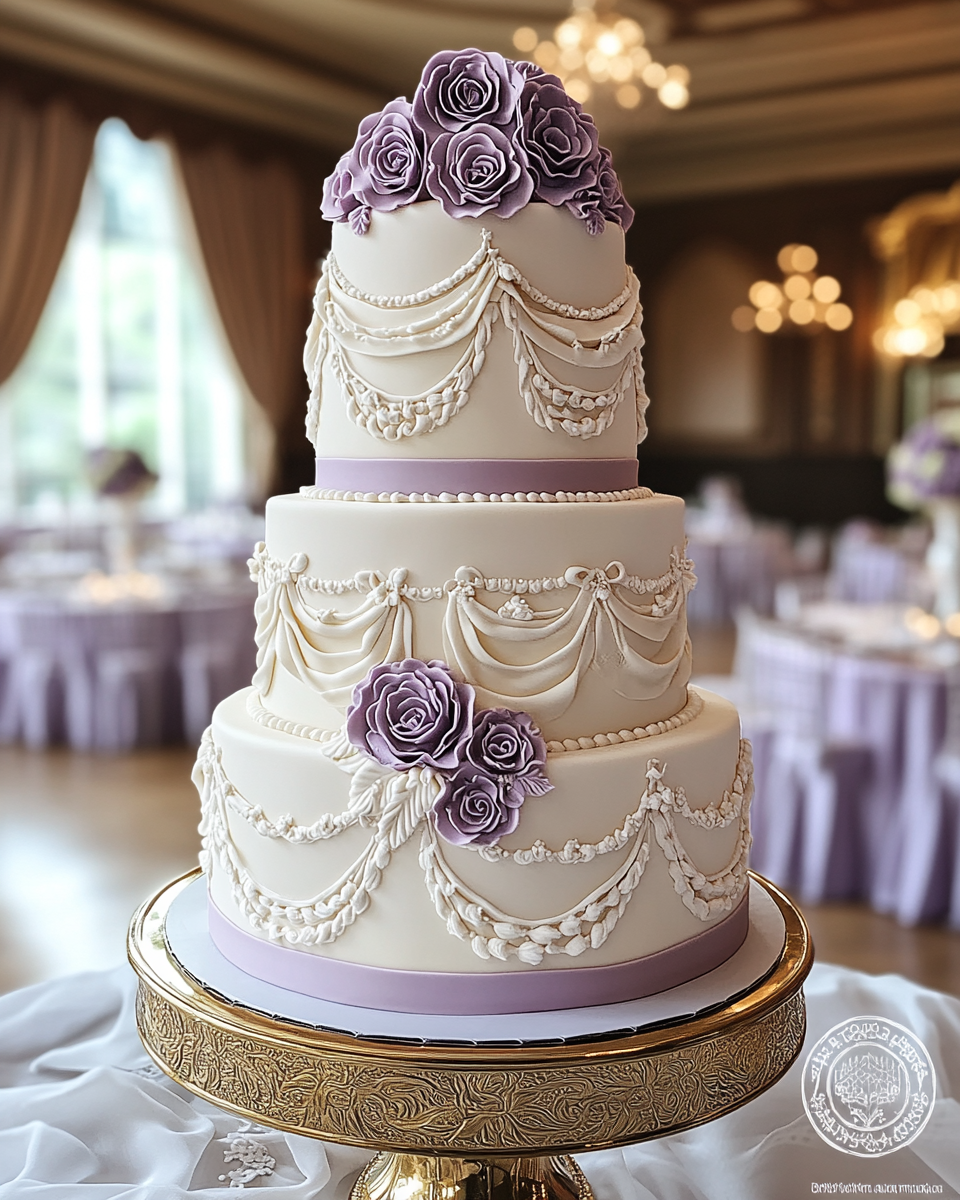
[462,310]
[394,805]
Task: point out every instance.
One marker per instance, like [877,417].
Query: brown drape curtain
[249,222]
[44,158]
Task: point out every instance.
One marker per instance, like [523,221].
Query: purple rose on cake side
[505,761]
[461,88]
[560,141]
[415,714]
[475,807]
[411,714]
[505,744]
[477,171]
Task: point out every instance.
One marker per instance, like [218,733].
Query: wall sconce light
[803,300]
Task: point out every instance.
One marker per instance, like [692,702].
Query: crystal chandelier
[596,48]
[802,300]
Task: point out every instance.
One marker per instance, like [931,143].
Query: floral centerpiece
[120,478]
[414,714]
[483,135]
[923,472]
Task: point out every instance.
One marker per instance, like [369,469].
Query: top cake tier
[476,355]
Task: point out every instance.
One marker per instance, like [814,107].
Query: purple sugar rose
[339,191]
[560,141]
[388,158]
[529,70]
[507,743]
[411,714]
[477,171]
[603,201]
[473,807]
[461,88]
[613,204]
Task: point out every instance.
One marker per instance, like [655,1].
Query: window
[129,353]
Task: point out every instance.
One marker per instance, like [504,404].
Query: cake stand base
[481,1120]
[390,1176]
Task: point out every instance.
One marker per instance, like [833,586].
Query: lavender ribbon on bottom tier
[488,476]
[478,994]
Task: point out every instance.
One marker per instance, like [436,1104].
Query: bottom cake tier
[328,875]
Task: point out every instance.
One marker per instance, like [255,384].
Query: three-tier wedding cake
[469,776]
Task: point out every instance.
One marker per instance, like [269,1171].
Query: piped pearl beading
[637,493]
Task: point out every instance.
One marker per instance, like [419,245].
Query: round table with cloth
[84,1115]
[847,710]
[735,568]
[125,671]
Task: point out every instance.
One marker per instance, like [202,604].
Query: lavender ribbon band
[478,994]
[476,475]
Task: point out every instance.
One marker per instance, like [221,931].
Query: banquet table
[736,566]
[110,673]
[847,710]
[84,1115]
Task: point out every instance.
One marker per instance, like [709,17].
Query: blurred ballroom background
[794,167]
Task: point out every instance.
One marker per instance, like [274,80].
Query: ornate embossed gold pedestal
[469,1122]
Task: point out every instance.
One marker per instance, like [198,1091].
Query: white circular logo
[869,1086]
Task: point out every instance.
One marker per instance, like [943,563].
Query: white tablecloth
[84,1116]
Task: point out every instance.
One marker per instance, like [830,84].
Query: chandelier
[919,321]
[596,48]
[802,300]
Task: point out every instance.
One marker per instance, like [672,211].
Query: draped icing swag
[590,634]
[463,309]
[332,651]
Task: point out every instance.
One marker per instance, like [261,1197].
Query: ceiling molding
[160,58]
[873,94]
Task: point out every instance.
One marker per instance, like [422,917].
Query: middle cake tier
[572,612]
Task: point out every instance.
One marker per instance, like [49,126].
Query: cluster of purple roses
[415,714]
[483,134]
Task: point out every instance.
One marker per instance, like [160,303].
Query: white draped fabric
[463,309]
[85,1116]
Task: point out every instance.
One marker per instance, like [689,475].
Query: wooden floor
[84,839]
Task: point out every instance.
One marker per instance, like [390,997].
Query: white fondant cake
[469,775]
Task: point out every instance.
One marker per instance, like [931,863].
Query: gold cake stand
[469,1122]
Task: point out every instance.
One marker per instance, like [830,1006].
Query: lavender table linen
[849,800]
[114,677]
